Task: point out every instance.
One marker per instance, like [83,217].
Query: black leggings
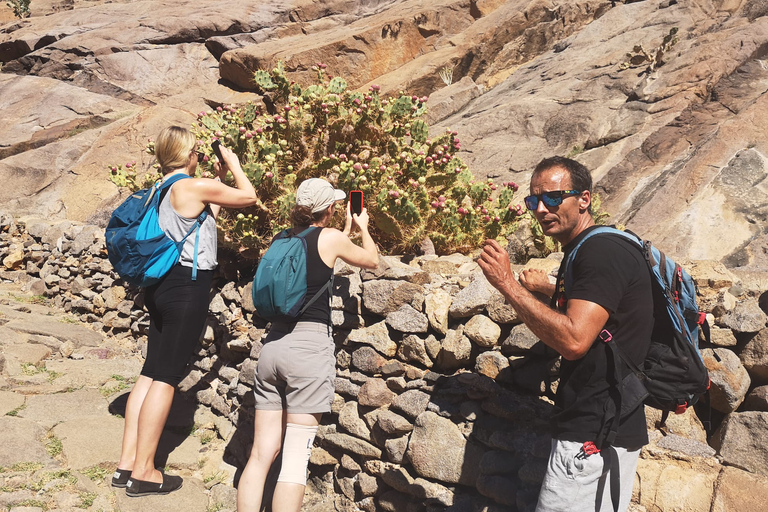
[177,307]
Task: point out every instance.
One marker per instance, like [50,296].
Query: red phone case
[352,202]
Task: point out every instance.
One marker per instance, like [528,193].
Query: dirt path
[63,388]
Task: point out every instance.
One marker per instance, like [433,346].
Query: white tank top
[176,226]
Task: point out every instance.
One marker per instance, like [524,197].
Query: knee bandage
[297,446]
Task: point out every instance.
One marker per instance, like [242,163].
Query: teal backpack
[140,252]
[280,284]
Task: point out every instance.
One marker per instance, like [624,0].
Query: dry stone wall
[442,395]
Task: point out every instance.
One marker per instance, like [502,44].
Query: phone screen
[356,201]
[215,145]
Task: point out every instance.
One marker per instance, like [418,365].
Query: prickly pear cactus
[359,140]
[337,85]
[264,80]
[419,131]
[401,106]
[654,57]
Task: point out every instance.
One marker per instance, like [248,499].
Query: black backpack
[673,376]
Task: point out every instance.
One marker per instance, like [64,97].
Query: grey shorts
[296,370]
[576,484]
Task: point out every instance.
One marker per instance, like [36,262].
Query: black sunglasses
[200,157]
[553,198]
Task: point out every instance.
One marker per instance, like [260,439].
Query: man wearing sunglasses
[611,292]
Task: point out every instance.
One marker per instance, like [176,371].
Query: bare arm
[570,334]
[336,244]
[196,194]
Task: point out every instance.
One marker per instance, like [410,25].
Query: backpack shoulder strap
[328,285]
[170,180]
[306,232]
[163,186]
[600,230]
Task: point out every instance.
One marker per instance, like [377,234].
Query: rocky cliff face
[677,146]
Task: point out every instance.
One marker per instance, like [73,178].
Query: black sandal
[120,478]
[135,488]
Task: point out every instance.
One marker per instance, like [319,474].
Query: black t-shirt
[318,274]
[609,271]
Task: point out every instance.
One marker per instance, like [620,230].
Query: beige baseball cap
[317,194]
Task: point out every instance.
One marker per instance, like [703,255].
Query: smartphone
[216,149]
[356,201]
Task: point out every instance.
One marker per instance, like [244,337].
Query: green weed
[52,375]
[87,499]
[218,477]
[16,411]
[96,473]
[30,369]
[575,151]
[26,466]
[53,445]
[32,503]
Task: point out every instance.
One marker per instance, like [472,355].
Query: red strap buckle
[589,448]
[701,318]
[605,336]
[680,409]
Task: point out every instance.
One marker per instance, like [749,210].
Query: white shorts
[575,483]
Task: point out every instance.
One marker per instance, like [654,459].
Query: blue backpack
[138,249]
[673,376]
[280,285]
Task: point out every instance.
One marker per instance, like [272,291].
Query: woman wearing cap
[177,305]
[296,371]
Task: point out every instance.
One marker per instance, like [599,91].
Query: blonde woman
[177,305]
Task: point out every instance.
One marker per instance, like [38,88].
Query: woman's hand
[361,220]
[348,220]
[230,162]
